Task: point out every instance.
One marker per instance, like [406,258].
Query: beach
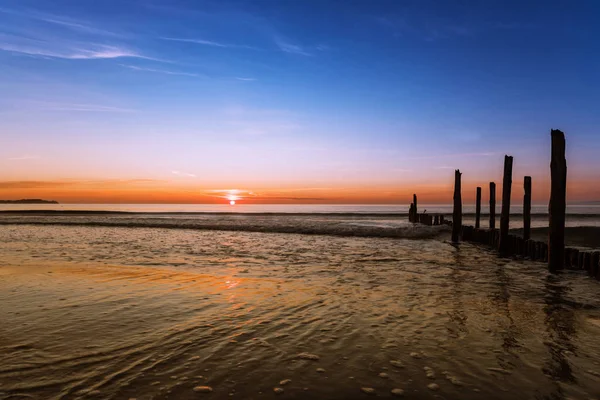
[95,307]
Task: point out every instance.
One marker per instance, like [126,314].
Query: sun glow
[232,202]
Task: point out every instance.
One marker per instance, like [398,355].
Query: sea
[285,301]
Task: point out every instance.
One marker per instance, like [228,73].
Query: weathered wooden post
[527,209]
[415,203]
[587,261]
[478,209]
[504,246]
[595,264]
[558,202]
[492,205]
[457,213]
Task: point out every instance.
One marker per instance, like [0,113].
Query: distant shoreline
[29,201]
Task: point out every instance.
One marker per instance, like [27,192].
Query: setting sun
[232,202]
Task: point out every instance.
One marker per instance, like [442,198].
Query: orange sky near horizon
[147,191]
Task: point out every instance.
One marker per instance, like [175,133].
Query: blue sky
[296,94]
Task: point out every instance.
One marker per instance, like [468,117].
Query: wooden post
[587,261]
[457,213]
[492,205]
[478,209]
[527,209]
[415,203]
[595,264]
[504,246]
[558,202]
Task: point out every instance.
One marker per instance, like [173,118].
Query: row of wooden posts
[553,251]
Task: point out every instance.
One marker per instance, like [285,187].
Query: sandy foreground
[342,318]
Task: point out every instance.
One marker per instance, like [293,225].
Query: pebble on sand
[384,375]
[433,386]
[308,356]
[415,355]
[203,389]
[429,372]
[368,390]
[285,382]
[321,370]
[398,392]
[278,390]
[397,363]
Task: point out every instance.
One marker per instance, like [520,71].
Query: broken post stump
[595,264]
[415,203]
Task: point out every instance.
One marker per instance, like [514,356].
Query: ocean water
[322,302]
[361,220]
[149,313]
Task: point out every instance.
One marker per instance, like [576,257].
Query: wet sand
[115,313]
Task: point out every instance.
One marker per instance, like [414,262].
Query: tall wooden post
[457,214]
[527,209]
[478,209]
[558,202]
[504,245]
[492,205]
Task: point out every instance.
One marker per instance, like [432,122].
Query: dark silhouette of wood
[587,261]
[558,202]
[457,213]
[595,264]
[574,259]
[527,209]
[504,246]
[492,205]
[411,213]
[415,203]
[568,251]
[478,209]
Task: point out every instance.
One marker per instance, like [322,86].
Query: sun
[232,202]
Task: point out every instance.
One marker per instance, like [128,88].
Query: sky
[307,101]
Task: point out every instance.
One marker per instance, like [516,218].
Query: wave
[274,214]
[311,227]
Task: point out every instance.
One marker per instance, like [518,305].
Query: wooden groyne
[552,252]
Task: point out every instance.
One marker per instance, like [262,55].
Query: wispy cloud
[246,79]
[50,106]
[60,20]
[290,48]
[65,50]
[210,43]
[24,157]
[186,174]
[160,71]
[482,154]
